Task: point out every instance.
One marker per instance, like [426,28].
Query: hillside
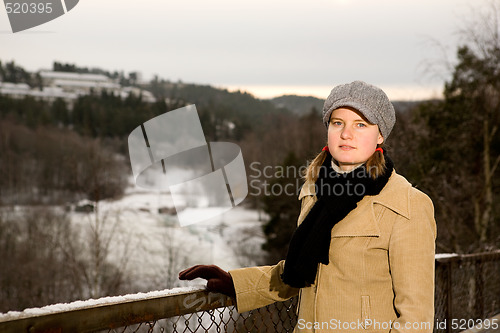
[299,105]
[239,107]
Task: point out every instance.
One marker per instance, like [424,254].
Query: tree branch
[495,165]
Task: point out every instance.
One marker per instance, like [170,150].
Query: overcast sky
[266,47]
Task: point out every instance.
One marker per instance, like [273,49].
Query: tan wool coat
[380,277]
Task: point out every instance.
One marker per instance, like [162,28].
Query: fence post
[449,296]
[479,304]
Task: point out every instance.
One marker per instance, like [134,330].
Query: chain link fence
[467,290]
[279,317]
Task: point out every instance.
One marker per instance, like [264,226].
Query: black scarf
[337,194]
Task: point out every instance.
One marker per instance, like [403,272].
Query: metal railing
[467,289]
[177,310]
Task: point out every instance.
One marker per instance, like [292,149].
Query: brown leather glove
[218,280]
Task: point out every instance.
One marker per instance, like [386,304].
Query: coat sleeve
[260,286]
[411,259]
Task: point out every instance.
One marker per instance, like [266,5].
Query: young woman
[362,256]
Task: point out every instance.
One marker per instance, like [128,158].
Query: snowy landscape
[145,240]
[153,248]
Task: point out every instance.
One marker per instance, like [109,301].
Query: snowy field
[153,247]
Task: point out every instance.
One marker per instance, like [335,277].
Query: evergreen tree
[281,204]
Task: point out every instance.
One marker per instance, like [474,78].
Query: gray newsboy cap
[371,101]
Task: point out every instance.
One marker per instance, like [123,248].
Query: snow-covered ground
[153,247]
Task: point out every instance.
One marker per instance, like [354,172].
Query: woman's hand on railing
[218,280]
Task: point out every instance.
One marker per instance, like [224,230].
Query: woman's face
[351,139]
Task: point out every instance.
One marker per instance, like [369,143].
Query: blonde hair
[375,165]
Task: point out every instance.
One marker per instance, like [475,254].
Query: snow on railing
[177,310]
[111,312]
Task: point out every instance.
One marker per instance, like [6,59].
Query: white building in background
[50,94]
[69,86]
[15,90]
[81,84]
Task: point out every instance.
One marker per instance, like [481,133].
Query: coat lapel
[359,222]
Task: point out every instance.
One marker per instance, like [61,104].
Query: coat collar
[396,195]
[362,221]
